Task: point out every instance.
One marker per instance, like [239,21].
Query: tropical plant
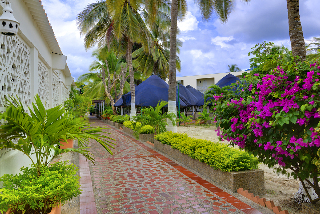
[276,117]
[233,68]
[204,116]
[77,104]
[146,129]
[267,56]
[185,119]
[92,110]
[155,118]
[38,134]
[156,60]
[28,192]
[111,71]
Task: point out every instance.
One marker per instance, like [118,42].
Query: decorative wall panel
[14,69]
[55,88]
[65,93]
[43,80]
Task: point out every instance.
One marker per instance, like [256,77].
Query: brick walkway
[137,179]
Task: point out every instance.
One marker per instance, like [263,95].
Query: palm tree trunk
[132,86]
[172,64]
[295,30]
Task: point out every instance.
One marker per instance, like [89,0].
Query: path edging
[252,180]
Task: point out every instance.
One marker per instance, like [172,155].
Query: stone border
[252,180]
[128,131]
[146,137]
[118,125]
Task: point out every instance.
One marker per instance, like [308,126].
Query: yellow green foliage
[217,155]
[147,129]
[132,125]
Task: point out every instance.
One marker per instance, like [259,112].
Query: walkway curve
[137,179]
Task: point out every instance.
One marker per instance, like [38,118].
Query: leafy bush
[30,193]
[154,117]
[92,110]
[108,111]
[217,155]
[77,104]
[40,132]
[146,129]
[121,118]
[128,124]
[132,125]
[184,119]
[275,116]
[204,116]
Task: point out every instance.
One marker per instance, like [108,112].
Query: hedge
[217,155]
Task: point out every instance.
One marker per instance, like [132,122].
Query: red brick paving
[137,179]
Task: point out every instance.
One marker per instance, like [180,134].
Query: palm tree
[156,61]
[234,68]
[295,30]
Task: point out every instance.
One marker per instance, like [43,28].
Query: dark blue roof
[149,93]
[197,94]
[227,80]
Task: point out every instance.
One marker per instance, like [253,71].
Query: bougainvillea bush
[276,117]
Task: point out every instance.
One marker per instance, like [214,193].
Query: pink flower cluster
[275,95]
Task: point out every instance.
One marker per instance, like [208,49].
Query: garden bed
[146,137]
[252,180]
[118,125]
[128,131]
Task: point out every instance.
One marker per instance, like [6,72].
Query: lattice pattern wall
[55,88]
[65,92]
[43,81]
[14,69]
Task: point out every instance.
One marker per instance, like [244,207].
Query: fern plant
[38,134]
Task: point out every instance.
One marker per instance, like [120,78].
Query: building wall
[28,67]
[202,82]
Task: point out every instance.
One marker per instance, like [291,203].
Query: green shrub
[29,193]
[147,129]
[184,119]
[128,124]
[217,155]
[121,118]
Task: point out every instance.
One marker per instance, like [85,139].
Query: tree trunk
[295,30]
[132,86]
[172,107]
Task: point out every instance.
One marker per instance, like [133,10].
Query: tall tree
[111,71]
[129,25]
[234,68]
[295,30]
[156,60]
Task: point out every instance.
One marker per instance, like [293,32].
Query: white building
[202,82]
[31,63]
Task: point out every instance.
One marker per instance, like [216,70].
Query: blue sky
[209,46]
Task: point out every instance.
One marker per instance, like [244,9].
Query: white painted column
[172,108]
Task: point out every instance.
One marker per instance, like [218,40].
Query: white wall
[28,67]
[210,79]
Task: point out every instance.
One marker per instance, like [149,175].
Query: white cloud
[221,41]
[189,23]
[62,16]
[186,38]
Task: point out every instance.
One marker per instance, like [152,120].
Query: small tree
[276,117]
